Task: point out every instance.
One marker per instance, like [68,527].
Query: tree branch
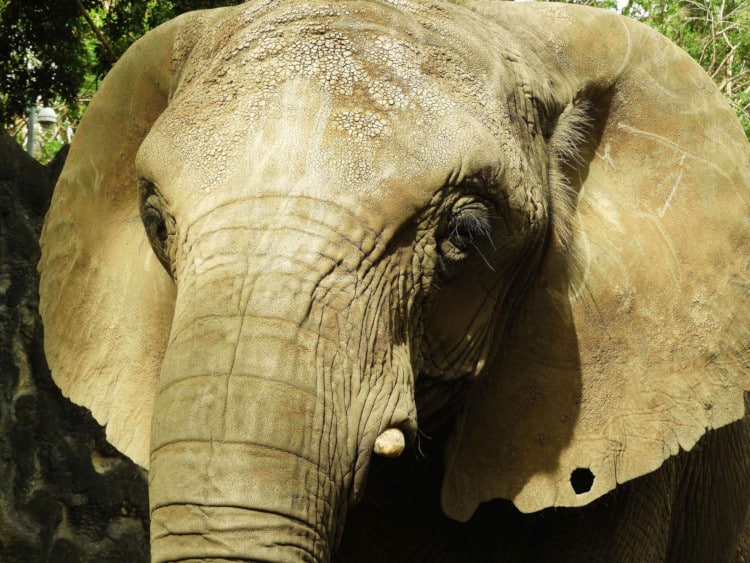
[103,40]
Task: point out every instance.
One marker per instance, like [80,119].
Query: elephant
[402,280]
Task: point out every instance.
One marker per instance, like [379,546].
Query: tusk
[390,443]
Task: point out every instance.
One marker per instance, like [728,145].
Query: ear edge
[94,224]
[459,497]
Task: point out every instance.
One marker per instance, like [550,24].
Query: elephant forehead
[304,145]
[329,102]
[371,49]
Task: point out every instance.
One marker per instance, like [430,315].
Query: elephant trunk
[236,469]
[265,417]
[264,421]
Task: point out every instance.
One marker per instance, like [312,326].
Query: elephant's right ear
[105,299]
[633,338]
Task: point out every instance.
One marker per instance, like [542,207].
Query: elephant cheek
[460,330]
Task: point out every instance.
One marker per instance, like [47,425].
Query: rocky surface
[65,494]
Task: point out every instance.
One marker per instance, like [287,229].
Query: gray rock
[65,494]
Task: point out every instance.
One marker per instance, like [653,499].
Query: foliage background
[55,52]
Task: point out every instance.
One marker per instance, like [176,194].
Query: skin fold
[294,234]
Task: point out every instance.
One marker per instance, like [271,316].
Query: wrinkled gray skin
[350,204]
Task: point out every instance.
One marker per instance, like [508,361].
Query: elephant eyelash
[467,232]
[157,223]
[475,227]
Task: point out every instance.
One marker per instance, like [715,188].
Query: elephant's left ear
[634,338]
[105,299]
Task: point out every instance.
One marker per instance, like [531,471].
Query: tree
[43,52]
[58,50]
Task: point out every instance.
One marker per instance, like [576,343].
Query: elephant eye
[469,232]
[156,223]
[156,226]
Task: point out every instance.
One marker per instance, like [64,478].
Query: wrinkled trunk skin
[251,458]
[235,472]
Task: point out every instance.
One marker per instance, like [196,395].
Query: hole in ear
[582,479]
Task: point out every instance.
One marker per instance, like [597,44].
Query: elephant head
[290,233]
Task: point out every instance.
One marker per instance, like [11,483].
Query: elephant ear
[105,299]
[632,341]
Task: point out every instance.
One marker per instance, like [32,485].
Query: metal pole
[30,135]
